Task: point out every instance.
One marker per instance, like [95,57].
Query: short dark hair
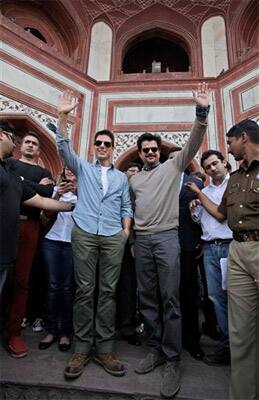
[31,133]
[149,137]
[107,133]
[209,153]
[6,126]
[172,149]
[248,126]
[130,165]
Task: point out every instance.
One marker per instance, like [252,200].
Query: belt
[23,217]
[246,236]
[217,241]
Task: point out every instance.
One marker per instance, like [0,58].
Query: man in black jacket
[189,237]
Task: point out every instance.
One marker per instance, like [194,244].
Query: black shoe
[46,345]
[196,352]
[219,358]
[133,339]
[64,346]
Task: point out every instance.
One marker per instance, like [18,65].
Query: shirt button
[241,206]
[240,222]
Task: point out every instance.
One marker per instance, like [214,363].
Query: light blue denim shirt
[95,212]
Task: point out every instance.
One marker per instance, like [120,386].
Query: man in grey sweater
[156,190]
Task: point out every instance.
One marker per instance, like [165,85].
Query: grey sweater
[156,191]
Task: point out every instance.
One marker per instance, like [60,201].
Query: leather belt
[247,236]
[23,217]
[217,241]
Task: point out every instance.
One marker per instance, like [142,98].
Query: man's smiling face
[150,153]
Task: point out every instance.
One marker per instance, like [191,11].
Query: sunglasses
[146,150]
[98,143]
[10,136]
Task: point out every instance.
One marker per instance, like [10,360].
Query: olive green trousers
[95,325]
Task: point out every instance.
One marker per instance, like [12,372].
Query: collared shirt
[240,203]
[62,227]
[211,227]
[96,212]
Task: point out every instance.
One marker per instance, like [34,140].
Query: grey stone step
[40,376]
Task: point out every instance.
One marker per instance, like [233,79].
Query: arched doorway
[156,47]
[132,155]
[49,157]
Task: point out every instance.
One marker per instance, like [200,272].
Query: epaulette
[234,172]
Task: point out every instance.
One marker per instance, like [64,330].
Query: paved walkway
[43,369]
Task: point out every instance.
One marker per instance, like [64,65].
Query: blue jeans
[212,255]
[58,261]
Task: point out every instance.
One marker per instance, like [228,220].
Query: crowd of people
[153,240]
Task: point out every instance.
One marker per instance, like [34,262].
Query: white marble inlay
[250,98]
[48,89]
[100,52]
[153,114]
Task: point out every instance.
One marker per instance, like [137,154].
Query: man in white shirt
[216,237]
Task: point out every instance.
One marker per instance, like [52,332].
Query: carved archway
[49,157]
[131,155]
[169,30]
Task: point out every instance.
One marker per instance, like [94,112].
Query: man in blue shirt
[102,225]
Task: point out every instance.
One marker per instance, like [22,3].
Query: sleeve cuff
[202,112]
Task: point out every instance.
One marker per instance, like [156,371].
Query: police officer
[240,205]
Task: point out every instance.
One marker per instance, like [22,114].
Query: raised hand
[66,102]
[202,95]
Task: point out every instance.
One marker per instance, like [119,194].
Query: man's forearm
[48,204]
[211,207]
[62,124]
[126,223]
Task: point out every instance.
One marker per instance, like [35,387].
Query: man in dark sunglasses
[156,189]
[102,225]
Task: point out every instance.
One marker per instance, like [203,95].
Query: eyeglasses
[10,136]
[146,150]
[98,143]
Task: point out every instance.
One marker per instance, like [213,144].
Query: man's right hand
[66,102]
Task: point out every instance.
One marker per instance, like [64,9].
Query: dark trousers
[126,295]
[58,260]
[189,300]
[37,298]
[158,278]
[29,233]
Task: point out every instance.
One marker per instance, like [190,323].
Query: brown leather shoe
[76,365]
[110,363]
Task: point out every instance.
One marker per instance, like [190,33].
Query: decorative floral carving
[126,140]
[10,106]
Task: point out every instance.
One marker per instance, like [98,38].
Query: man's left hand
[202,95]
[127,232]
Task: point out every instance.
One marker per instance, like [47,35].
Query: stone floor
[40,376]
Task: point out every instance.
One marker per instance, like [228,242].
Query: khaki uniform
[240,205]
